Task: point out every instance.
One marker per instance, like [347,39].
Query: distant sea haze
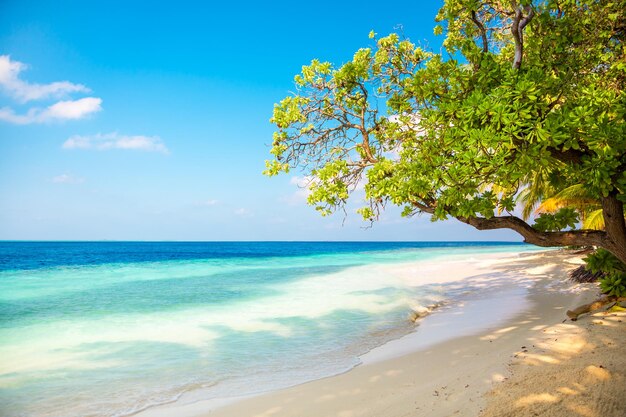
[111,328]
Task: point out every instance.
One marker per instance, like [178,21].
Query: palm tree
[577,197]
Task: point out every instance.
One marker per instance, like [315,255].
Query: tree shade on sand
[525,100]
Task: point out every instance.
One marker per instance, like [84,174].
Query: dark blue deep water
[32,255]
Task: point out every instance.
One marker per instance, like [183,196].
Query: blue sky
[150,120]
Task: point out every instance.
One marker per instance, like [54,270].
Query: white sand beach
[510,354]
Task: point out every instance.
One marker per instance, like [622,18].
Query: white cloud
[24,91]
[302,182]
[206,203]
[302,193]
[63,110]
[114,140]
[8,115]
[76,109]
[67,179]
[242,212]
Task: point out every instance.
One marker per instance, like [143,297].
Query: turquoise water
[108,329]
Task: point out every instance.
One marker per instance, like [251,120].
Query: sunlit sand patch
[582,410]
[575,260]
[581,373]
[541,269]
[536,359]
[497,377]
[560,343]
[615,317]
[536,398]
[326,397]
[506,330]
[455,268]
[393,372]
[496,334]
[598,373]
[606,321]
[567,391]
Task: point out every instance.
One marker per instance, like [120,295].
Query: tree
[526,99]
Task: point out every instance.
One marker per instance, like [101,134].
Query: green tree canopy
[526,99]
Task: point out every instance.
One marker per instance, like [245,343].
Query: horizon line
[256,241]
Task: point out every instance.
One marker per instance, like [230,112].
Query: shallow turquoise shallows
[111,328]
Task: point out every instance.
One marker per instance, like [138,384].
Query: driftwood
[593,306]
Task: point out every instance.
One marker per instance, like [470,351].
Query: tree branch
[482,30]
[517,30]
[530,13]
[530,234]
[534,236]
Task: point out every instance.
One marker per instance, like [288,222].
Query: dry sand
[570,369]
[535,364]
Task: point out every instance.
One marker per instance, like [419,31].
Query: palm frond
[575,196]
[537,187]
[594,220]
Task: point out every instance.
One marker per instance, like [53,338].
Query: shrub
[614,282]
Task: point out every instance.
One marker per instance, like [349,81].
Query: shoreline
[459,330]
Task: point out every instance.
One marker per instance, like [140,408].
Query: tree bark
[534,236]
[517,30]
[613,238]
[615,225]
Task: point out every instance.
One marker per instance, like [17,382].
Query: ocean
[113,328]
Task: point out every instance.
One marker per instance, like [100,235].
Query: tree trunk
[615,226]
